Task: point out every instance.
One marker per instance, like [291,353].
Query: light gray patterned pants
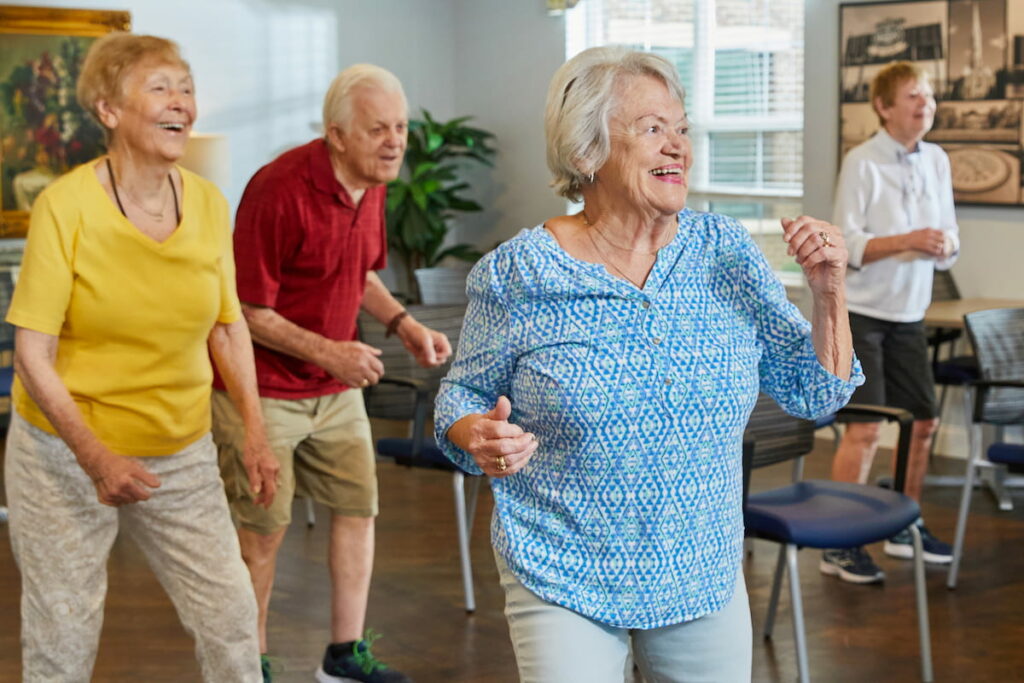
[61,537]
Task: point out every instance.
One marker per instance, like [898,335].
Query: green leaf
[434,141]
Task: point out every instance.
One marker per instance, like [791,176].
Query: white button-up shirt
[884,190]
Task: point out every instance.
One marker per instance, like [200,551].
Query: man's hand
[429,347]
[353,363]
[927,240]
[499,447]
[261,467]
[120,480]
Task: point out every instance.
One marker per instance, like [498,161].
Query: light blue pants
[556,645]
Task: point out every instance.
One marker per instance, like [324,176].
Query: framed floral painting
[43,130]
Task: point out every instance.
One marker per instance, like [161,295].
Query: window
[741,62]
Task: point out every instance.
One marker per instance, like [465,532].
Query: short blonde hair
[338,101]
[887,81]
[580,101]
[110,59]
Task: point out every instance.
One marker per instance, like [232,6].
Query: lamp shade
[207,154]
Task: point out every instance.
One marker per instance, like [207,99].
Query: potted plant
[428,194]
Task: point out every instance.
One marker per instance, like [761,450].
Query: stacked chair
[406,392]
[998,340]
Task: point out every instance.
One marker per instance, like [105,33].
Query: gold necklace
[586,222]
[159,216]
[605,257]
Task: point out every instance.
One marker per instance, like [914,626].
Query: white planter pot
[442,285]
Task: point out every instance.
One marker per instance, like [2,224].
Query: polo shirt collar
[322,174]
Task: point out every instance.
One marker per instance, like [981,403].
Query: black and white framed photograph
[973,52]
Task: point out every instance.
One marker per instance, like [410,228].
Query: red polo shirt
[303,248]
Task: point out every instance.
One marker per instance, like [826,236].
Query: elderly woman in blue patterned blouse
[606,370]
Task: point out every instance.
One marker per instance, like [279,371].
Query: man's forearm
[272,330]
[377,300]
[879,248]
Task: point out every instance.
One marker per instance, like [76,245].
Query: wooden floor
[855,633]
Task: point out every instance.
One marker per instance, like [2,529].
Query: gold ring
[826,241]
[501,463]
[365,383]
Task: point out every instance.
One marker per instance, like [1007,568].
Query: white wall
[262,66]
[992,239]
[506,53]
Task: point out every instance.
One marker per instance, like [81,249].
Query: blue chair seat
[956,371]
[1006,453]
[429,457]
[6,379]
[829,514]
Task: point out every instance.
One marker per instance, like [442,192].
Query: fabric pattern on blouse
[629,511]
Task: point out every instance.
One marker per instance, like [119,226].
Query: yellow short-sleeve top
[132,315]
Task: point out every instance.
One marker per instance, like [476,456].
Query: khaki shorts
[325,449]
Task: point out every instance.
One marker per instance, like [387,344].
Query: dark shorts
[897,370]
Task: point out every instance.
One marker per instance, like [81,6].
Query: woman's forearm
[35,363]
[231,348]
[830,334]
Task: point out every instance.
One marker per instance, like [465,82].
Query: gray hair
[580,102]
[338,101]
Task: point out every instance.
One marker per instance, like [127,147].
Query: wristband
[394,323]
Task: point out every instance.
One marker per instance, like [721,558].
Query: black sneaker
[935,551]
[353,662]
[852,565]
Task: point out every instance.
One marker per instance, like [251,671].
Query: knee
[863,436]
[259,549]
[925,429]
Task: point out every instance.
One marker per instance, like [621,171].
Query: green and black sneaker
[354,662]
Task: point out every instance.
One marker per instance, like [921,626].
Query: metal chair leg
[974,444]
[923,628]
[799,635]
[974,437]
[471,498]
[773,602]
[461,523]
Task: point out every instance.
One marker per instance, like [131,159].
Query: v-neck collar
[664,260]
[128,227]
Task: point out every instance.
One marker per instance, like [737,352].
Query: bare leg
[920,447]
[856,452]
[260,554]
[351,565]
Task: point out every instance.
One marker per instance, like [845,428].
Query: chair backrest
[997,336]
[776,435]
[944,286]
[398,403]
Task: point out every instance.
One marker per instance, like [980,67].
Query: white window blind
[741,62]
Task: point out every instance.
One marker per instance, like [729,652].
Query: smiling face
[368,150]
[650,157]
[154,114]
[911,113]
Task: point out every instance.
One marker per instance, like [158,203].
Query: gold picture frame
[43,130]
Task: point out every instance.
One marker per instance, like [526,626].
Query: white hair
[580,101]
[338,100]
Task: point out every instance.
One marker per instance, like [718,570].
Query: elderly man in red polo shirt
[309,235]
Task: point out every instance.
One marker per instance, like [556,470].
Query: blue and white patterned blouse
[629,511]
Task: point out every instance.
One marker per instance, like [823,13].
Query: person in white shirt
[894,203]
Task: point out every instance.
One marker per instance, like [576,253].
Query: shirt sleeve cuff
[452,404]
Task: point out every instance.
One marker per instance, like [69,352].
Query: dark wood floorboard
[855,633]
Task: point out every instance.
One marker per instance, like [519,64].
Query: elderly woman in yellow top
[127,280]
